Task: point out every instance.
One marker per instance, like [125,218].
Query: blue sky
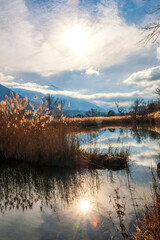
[89,49]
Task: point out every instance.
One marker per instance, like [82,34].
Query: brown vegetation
[115,159]
[99,121]
[147,221]
[34,135]
[152,118]
[148,226]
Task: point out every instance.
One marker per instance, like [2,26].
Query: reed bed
[146,220]
[33,135]
[113,159]
[115,120]
[99,121]
[148,226]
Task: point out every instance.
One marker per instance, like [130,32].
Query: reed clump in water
[148,226]
[113,159]
[31,134]
[147,220]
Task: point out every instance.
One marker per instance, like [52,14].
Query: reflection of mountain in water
[22,186]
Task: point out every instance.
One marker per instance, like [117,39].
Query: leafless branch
[152,30]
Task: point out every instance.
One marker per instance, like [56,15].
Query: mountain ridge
[76,105]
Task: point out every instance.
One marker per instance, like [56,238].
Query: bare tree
[92,113]
[157,92]
[59,108]
[55,105]
[111,113]
[153,29]
[121,110]
[52,102]
[136,108]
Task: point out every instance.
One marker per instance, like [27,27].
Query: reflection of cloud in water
[147,158]
[144,153]
[101,146]
[129,144]
[65,218]
[47,204]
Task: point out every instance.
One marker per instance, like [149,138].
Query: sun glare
[84,205]
[76,38]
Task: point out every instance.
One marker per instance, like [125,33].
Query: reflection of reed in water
[145,222]
[141,133]
[158,170]
[22,186]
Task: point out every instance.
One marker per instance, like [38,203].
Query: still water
[41,203]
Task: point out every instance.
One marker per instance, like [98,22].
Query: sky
[89,49]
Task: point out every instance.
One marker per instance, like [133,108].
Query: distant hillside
[76,105]
[5,91]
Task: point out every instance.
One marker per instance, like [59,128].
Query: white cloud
[75,94]
[36,43]
[91,71]
[101,99]
[147,77]
[158,53]
[5,78]
[75,2]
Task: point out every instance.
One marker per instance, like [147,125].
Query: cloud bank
[35,42]
[101,99]
[147,77]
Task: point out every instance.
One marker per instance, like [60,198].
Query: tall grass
[147,220]
[112,159]
[30,134]
[34,135]
[148,226]
[99,121]
[152,118]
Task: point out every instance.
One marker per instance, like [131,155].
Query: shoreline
[152,118]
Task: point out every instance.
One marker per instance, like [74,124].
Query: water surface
[42,203]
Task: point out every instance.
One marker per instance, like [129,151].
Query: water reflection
[84,205]
[49,204]
[24,185]
[142,143]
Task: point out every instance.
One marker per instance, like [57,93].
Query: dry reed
[33,134]
[147,221]
[30,134]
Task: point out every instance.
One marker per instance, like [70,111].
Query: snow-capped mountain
[76,105]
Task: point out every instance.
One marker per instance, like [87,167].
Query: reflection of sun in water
[76,38]
[84,205]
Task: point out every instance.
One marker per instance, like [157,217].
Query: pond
[42,203]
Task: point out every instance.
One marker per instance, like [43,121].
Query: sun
[84,205]
[76,38]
